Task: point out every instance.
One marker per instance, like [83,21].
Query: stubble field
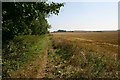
[84,54]
[101,42]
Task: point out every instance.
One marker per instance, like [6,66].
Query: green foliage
[21,50]
[39,26]
[20,18]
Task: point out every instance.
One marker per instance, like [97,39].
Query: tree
[22,18]
[61,31]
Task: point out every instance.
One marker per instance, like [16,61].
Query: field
[84,54]
[101,42]
[63,55]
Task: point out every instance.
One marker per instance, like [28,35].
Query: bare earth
[42,69]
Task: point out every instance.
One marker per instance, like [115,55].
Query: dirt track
[42,69]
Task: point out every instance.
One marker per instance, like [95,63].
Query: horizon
[86,30]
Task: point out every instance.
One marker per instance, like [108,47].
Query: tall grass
[20,51]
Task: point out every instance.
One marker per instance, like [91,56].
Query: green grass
[22,50]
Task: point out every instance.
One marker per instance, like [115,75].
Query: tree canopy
[23,18]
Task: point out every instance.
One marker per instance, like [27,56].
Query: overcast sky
[86,16]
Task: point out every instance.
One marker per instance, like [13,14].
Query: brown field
[108,37]
[84,54]
[101,42]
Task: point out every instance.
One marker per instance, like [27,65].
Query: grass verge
[20,53]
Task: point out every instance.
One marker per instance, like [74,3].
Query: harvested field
[84,55]
[101,42]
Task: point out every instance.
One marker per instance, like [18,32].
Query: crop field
[108,37]
[101,42]
[84,54]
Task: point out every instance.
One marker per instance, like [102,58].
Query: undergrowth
[19,51]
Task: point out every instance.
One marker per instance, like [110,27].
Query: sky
[87,16]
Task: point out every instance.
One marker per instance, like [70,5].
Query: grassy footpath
[22,56]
